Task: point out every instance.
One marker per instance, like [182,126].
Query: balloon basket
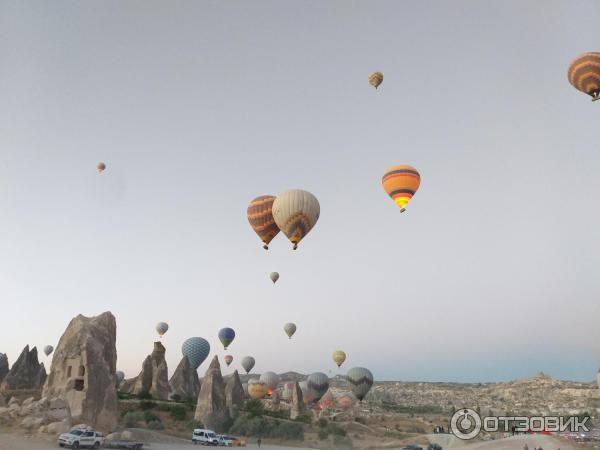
[402,210]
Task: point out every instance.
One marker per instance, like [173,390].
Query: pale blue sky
[198,106]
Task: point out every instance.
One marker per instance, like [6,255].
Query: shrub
[131,419]
[287,430]
[147,404]
[323,434]
[254,408]
[145,395]
[155,425]
[178,412]
[176,397]
[149,416]
[304,418]
[336,430]
[322,422]
[192,424]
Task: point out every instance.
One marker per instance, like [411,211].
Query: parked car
[434,447]
[204,437]
[224,441]
[237,442]
[81,438]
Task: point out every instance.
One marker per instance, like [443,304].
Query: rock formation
[211,409]
[154,377]
[3,366]
[297,402]
[184,382]
[82,378]
[234,395]
[26,373]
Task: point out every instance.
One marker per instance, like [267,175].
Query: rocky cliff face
[26,373]
[298,406]
[234,395]
[153,378]
[3,367]
[83,371]
[185,382]
[211,408]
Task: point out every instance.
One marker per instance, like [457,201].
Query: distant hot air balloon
[100,167]
[248,363]
[296,212]
[318,383]
[228,359]
[161,328]
[584,74]
[290,329]
[120,376]
[226,336]
[361,380]
[260,216]
[48,349]
[401,183]
[257,389]
[339,357]
[274,277]
[196,349]
[270,380]
[375,79]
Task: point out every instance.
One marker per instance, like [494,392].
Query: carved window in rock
[81,371]
[79,385]
[69,372]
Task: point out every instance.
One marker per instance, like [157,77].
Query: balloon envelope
[161,328]
[339,357]
[361,380]
[100,167]
[257,390]
[260,216]
[196,349]
[296,212]
[228,359]
[270,380]
[248,363]
[48,349]
[274,277]
[375,79]
[290,329]
[120,376]
[584,74]
[401,183]
[318,383]
[226,336]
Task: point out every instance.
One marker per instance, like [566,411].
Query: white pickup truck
[79,438]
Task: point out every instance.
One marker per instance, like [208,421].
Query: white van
[204,437]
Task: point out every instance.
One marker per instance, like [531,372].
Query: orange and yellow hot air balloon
[260,216]
[401,183]
[584,74]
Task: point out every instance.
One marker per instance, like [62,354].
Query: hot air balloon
[257,389]
[196,349]
[48,349]
[318,383]
[375,79]
[361,380]
[226,336]
[161,328]
[339,357]
[270,380]
[290,329]
[295,213]
[401,183]
[248,363]
[120,376]
[260,216]
[584,74]
[274,277]
[100,167]
[228,359]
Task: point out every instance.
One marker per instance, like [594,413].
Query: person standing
[259,441]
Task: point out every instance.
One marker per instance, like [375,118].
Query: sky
[196,107]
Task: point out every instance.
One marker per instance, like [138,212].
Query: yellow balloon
[375,79]
[339,357]
[257,390]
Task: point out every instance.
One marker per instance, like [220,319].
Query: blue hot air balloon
[226,336]
[196,349]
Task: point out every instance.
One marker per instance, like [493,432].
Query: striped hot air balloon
[296,212]
[584,74]
[228,359]
[375,79]
[260,216]
[401,183]
[361,380]
[318,383]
